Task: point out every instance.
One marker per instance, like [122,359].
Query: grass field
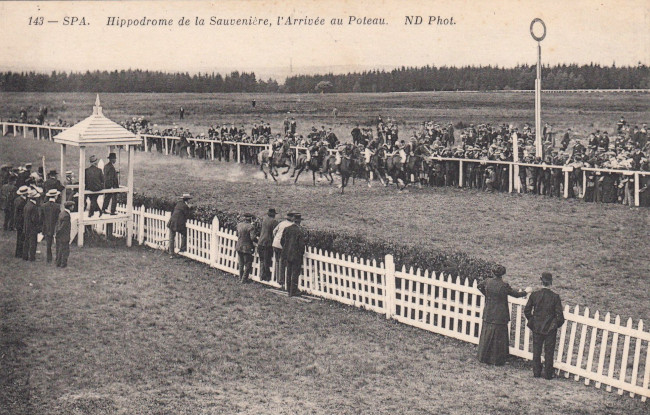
[130,331]
[584,113]
[599,253]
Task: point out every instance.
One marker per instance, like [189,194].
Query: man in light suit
[544,313]
[178,224]
[264,247]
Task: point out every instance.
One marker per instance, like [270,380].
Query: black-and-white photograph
[325,207]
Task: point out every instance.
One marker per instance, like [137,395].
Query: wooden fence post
[510,178]
[212,150]
[144,137]
[460,173]
[214,242]
[15,130]
[38,133]
[238,154]
[166,149]
[389,291]
[24,130]
[584,184]
[636,188]
[141,211]
[566,184]
[4,129]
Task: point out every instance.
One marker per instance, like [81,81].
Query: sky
[489,32]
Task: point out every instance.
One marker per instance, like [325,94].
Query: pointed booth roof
[97,130]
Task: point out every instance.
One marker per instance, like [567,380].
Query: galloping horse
[275,159]
[302,163]
[395,169]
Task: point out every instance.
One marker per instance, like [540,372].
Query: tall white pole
[538,103]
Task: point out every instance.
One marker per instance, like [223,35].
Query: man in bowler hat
[94,183]
[293,249]
[110,182]
[544,313]
[178,224]
[245,246]
[50,211]
[264,246]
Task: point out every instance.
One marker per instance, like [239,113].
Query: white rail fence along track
[513,179]
[596,349]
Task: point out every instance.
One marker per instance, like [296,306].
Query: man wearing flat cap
[544,313]
[293,249]
[32,225]
[245,246]
[178,224]
[94,183]
[19,219]
[50,211]
[62,233]
[265,247]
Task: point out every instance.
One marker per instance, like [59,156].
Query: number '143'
[36,21]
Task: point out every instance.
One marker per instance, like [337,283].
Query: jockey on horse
[276,156]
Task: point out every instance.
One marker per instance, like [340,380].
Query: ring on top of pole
[532,32]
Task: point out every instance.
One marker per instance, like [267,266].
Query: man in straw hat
[94,183]
[544,313]
[50,211]
[245,248]
[62,234]
[293,249]
[32,225]
[264,246]
[178,224]
[19,219]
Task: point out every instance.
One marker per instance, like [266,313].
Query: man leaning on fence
[544,313]
[245,246]
[264,246]
[280,265]
[178,224]
[293,249]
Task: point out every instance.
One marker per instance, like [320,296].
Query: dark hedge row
[454,263]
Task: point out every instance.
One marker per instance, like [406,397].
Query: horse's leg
[313,176]
[262,168]
[297,174]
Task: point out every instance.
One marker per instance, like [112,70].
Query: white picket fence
[599,351]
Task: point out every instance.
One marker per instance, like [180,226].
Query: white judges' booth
[97,130]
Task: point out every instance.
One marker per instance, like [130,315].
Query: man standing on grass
[178,224]
[7,196]
[19,219]
[32,226]
[50,211]
[264,247]
[293,243]
[62,233]
[245,246]
[280,265]
[544,313]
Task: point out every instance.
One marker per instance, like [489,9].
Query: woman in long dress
[494,341]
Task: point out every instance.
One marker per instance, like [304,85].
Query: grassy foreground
[142,333]
[599,253]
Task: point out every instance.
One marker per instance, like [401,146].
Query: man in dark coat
[62,233]
[544,313]
[493,347]
[94,183]
[265,245]
[110,182]
[293,249]
[178,224]
[52,182]
[32,226]
[245,246]
[19,219]
[7,196]
[50,213]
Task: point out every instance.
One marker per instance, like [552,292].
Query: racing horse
[275,159]
[302,163]
[395,169]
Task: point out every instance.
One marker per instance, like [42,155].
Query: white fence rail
[596,350]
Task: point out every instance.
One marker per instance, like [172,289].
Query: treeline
[404,79]
[133,81]
[470,78]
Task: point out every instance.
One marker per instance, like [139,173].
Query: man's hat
[23,190]
[247,216]
[28,165]
[271,212]
[112,156]
[297,217]
[52,172]
[33,194]
[52,193]
[68,172]
[547,278]
[186,196]
[69,204]
[93,159]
